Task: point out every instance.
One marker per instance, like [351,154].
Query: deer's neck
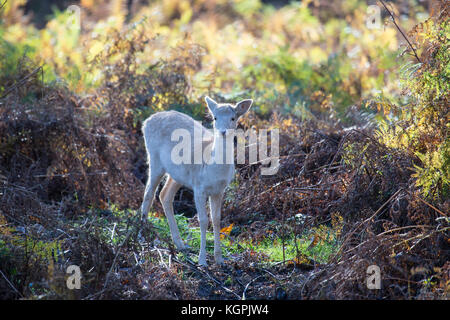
[218,172]
[222,153]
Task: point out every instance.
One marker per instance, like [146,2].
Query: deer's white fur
[207,179]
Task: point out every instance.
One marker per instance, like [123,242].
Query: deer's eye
[215,118]
[232,119]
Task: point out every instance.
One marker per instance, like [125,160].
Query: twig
[114,261]
[162,259]
[382,206]
[3,4]
[271,274]
[246,287]
[428,204]
[420,237]
[370,137]
[398,28]
[341,143]
[403,228]
[113,230]
[11,285]
[365,221]
[65,175]
[20,82]
[384,233]
[195,268]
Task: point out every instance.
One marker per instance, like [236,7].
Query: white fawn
[206,179]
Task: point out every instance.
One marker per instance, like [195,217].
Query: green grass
[270,248]
[113,228]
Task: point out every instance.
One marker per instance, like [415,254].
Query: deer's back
[158,131]
[161,125]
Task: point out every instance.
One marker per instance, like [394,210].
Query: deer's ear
[243,106]
[212,105]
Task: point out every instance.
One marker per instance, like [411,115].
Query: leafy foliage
[421,126]
[74,90]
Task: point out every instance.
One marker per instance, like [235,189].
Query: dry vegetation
[363,180]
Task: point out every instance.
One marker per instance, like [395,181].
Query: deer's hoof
[144,217]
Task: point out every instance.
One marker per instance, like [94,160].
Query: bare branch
[398,28]
[3,4]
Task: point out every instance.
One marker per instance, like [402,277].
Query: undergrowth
[364,158]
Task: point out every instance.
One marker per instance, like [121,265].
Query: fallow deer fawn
[206,179]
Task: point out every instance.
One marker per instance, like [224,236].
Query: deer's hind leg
[166,197]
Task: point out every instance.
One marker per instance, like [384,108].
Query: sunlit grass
[315,245]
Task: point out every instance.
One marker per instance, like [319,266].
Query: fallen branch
[10,284]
